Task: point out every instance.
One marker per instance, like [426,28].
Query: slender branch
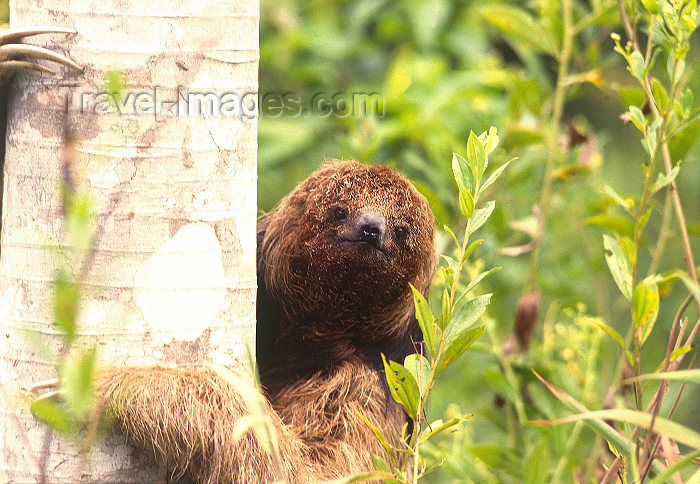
[611,471]
[663,235]
[560,89]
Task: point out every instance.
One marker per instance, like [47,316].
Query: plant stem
[460,263]
[663,235]
[564,58]
[668,166]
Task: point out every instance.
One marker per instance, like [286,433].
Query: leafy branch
[452,332]
[668,110]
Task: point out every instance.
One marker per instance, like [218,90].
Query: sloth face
[343,247]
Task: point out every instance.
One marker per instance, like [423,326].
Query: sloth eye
[339,214]
[401,232]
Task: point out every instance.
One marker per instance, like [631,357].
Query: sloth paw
[15,55]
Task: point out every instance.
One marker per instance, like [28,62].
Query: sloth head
[338,253]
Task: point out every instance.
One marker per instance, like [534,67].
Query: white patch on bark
[180,288]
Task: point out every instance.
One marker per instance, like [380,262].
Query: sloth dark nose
[371,227]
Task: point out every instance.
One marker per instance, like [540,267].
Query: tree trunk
[172,276]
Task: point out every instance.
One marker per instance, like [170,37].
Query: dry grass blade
[598,424]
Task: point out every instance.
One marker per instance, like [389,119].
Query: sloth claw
[16,56]
[16,35]
[11,51]
[46,389]
[12,66]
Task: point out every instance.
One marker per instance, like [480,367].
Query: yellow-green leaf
[618,265]
[646,306]
[458,345]
[476,156]
[425,318]
[663,426]
[403,387]
[419,367]
[519,25]
[466,203]
[690,376]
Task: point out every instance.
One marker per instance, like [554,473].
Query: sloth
[335,259]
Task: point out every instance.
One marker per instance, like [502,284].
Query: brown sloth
[335,260]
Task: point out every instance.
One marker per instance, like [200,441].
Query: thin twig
[611,471]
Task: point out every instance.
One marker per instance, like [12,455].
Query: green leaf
[476,156]
[687,100]
[637,66]
[65,304]
[520,26]
[664,180]
[609,330]
[445,308]
[626,203]
[419,366]
[537,465]
[494,176]
[614,335]
[481,215]
[660,96]
[383,476]
[640,224]
[679,351]
[448,273]
[433,467]
[479,278]
[651,6]
[663,426]
[425,318]
[438,426]
[598,424]
[380,464]
[646,306]
[695,478]
[458,345]
[618,265]
[690,284]
[616,223]
[114,82]
[628,249]
[77,382]
[490,142]
[670,470]
[637,118]
[465,314]
[690,376]
[462,173]
[466,203]
[50,413]
[403,387]
[452,234]
[377,433]
[471,248]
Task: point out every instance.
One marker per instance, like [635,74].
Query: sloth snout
[370,227]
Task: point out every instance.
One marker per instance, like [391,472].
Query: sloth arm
[187,416]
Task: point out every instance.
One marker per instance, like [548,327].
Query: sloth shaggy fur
[335,259]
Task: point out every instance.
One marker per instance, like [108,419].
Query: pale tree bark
[172,277]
